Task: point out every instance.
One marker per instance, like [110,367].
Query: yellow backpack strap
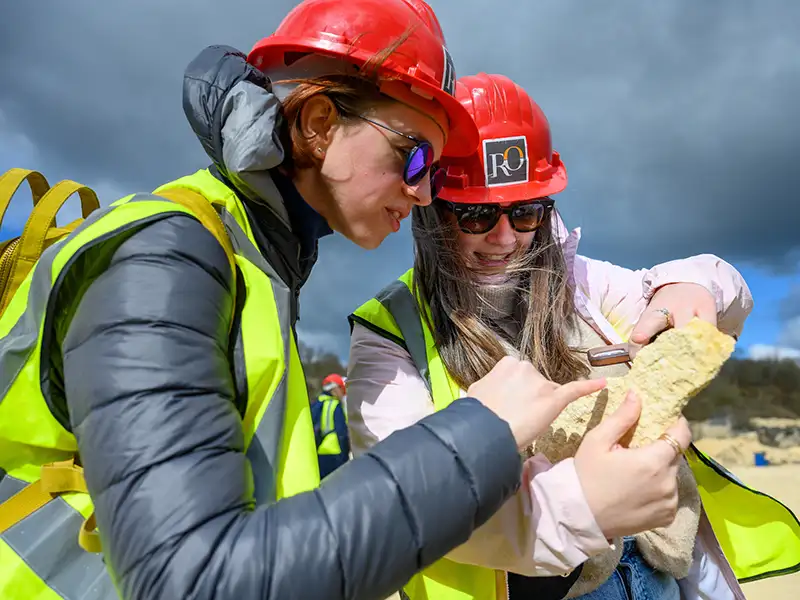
[28,500]
[88,538]
[12,179]
[35,234]
[56,478]
[207,215]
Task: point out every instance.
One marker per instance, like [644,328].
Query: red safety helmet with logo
[357,30]
[332,381]
[514,159]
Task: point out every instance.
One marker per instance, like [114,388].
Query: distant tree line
[749,388]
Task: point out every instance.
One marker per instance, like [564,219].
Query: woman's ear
[317,119]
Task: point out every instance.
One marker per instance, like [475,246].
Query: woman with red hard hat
[155,425]
[497,280]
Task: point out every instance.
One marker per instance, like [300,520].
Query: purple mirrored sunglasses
[419,160]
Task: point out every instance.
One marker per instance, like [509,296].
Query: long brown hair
[469,344]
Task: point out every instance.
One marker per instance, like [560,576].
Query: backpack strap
[41,221]
[12,179]
[208,216]
[55,478]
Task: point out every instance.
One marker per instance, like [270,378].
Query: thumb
[611,429]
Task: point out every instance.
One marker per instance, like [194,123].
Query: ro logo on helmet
[506,160]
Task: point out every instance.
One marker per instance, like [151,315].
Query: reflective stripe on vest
[39,556]
[329,405]
[329,443]
[280,466]
[49,537]
[759,536]
[286,437]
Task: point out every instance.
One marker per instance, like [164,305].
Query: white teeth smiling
[395,214]
[495,256]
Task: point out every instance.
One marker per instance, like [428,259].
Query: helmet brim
[463,135]
[503,194]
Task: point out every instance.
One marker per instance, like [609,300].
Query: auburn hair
[352,95]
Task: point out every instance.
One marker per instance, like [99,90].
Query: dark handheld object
[609,355]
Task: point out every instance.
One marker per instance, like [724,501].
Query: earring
[320,152]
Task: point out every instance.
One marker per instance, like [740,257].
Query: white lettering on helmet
[505,160]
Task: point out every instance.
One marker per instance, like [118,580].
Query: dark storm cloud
[678,121]
[96,86]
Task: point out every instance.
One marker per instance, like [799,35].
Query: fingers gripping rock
[665,375]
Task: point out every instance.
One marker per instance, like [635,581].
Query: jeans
[634,579]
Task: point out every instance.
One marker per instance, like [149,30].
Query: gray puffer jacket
[139,368]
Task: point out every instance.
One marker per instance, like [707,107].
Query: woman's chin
[368,240]
[491,275]
[492,278]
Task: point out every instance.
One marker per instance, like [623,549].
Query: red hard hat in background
[514,159]
[357,30]
[332,380]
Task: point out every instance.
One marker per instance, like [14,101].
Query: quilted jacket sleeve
[150,395]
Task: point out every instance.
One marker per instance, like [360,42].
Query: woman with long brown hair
[496,274]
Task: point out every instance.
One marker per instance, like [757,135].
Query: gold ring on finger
[672,442]
[668,316]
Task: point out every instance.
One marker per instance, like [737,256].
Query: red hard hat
[514,159]
[333,379]
[357,30]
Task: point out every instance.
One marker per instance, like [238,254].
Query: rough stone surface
[665,375]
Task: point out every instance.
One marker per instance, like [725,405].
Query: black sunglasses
[419,160]
[525,216]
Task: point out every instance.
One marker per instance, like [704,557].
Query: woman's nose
[420,193]
[503,233]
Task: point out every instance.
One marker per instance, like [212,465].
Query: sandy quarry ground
[739,450]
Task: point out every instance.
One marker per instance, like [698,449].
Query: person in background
[330,425]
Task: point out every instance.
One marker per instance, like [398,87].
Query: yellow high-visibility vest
[329,443]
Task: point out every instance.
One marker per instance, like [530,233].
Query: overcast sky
[678,122]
